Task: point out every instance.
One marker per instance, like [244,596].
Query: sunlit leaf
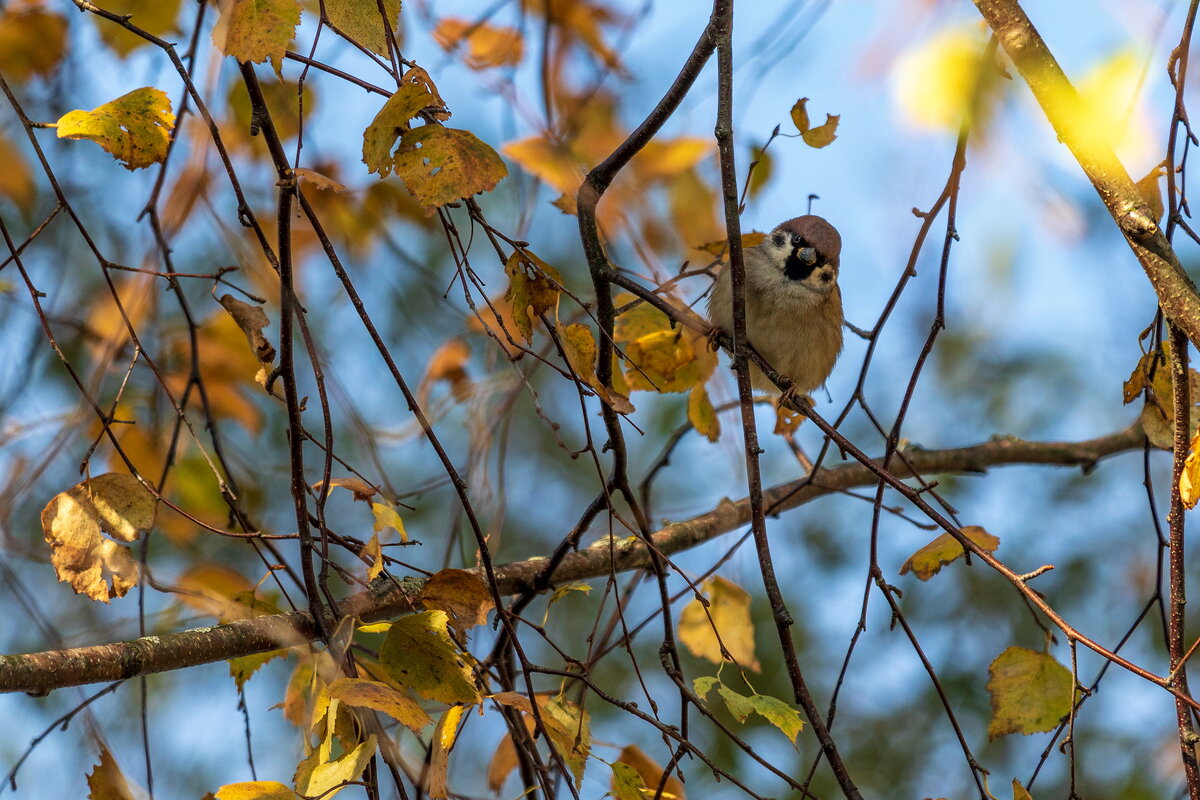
[256,790]
[242,668]
[702,415]
[319,778]
[461,594]
[441,165]
[936,83]
[419,654]
[379,139]
[1031,692]
[135,128]
[377,695]
[444,737]
[1189,479]
[386,517]
[821,136]
[255,30]
[1148,187]
[569,729]
[448,364]
[928,561]
[16,181]
[374,553]
[487,45]
[727,617]
[74,524]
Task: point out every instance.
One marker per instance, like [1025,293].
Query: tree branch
[1090,145]
[40,673]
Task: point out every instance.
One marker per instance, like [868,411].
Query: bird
[793,303]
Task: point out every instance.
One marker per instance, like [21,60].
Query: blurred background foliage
[1044,304]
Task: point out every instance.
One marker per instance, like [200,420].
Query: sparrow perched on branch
[793,304]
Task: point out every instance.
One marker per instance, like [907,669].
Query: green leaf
[135,128]
[627,784]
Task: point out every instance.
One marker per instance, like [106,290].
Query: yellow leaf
[935,84]
[1150,191]
[256,790]
[762,165]
[664,159]
[255,30]
[702,415]
[487,45]
[362,693]
[392,120]
[661,357]
[461,594]
[580,348]
[1019,791]
[928,561]
[579,20]
[449,364]
[720,247]
[242,668]
[16,182]
[550,163]
[821,136]
[74,523]
[569,729]
[444,737]
[106,782]
[156,17]
[532,289]
[135,128]
[210,588]
[374,552]
[386,517]
[1189,479]
[360,21]
[649,772]
[318,778]
[32,42]
[727,616]
[441,165]
[1031,692]
[779,714]
[418,653]
[505,759]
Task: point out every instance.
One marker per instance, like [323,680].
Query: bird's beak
[808,255]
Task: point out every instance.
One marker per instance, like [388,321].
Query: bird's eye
[778,239]
[798,241]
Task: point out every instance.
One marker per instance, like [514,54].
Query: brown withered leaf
[106,781]
[449,364]
[317,180]
[252,320]
[357,486]
[487,45]
[74,523]
[461,594]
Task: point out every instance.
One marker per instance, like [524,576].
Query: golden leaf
[135,128]
[74,523]
[1150,191]
[360,21]
[821,136]
[532,289]
[255,30]
[16,181]
[210,589]
[928,561]
[357,486]
[702,415]
[627,784]
[444,737]
[937,83]
[418,653]
[377,695]
[487,45]
[390,123]
[106,781]
[504,759]
[315,777]
[569,729]
[650,773]
[550,163]
[1189,479]
[256,790]
[32,42]
[441,165]
[157,18]
[316,180]
[371,550]
[727,616]
[242,668]
[386,517]
[449,364]
[1031,692]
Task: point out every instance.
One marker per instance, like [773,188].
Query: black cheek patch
[797,269]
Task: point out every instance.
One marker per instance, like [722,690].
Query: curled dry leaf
[252,320]
[360,488]
[74,524]
[317,180]
[928,561]
[820,136]
[461,594]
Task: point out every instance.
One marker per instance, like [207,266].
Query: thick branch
[40,673]
[1089,143]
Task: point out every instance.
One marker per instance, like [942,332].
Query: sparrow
[793,303]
